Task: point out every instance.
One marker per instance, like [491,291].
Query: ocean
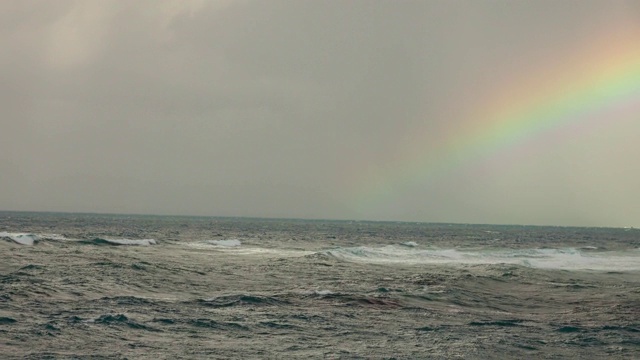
[80,286]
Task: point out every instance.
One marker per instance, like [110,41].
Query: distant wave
[30,239]
[134,242]
[567,258]
[235,247]
[409,244]
[225,243]
[20,238]
[242,299]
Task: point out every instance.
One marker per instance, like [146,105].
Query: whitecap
[564,258]
[30,239]
[224,243]
[234,248]
[20,238]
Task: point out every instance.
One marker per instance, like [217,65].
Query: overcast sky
[284,109]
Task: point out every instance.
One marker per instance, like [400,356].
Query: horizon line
[305,219]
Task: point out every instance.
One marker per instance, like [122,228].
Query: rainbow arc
[598,86]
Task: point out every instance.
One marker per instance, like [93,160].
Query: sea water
[82,285]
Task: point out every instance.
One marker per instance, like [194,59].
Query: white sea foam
[20,238]
[225,243]
[270,252]
[233,247]
[30,239]
[567,258]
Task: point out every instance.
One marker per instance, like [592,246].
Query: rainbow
[588,89]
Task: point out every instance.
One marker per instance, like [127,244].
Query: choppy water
[91,286]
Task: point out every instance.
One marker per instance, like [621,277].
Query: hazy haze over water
[273,108]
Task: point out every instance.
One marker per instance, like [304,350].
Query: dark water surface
[136,287]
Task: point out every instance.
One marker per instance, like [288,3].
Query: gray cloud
[267,108]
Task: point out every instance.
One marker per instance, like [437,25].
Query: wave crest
[30,239]
[565,258]
[116,242]
[224,243]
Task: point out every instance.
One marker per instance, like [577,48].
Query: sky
[430,111]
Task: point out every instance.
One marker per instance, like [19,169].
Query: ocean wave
[117,242]
[225,243]
[409,244]
[565,258]
[30,239]
[235,247]
[242,300]
[20,238]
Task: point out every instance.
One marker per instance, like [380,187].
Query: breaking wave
[22,239]
[225,243]
[563,259]
[29,239]
[105,241]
